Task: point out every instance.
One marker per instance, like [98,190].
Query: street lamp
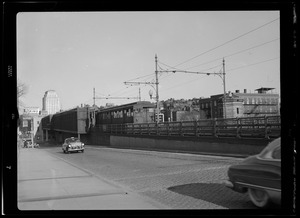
[150,93]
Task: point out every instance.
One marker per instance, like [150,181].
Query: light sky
[74,52]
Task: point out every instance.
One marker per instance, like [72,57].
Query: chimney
[237,91]
[245,90]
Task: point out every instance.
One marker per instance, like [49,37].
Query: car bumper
[234,186]
[75,149]
[228,184]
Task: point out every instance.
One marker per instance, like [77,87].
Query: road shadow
[215,193]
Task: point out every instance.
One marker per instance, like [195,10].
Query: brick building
[261,103]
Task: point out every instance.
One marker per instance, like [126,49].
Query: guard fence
[246,127]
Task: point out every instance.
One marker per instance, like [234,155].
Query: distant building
[180,110]
[240,104]
[30,127]
[51,102]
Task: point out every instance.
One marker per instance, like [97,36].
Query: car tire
[259,198]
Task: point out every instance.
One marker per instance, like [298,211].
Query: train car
[136,112]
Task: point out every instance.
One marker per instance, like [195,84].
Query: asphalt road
[177,180]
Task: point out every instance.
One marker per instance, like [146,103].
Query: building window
[215,103]
[25,123]
[237,110]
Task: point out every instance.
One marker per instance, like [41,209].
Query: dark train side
[77,122]
[137,112]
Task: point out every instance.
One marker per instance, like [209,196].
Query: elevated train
[136,112]
[80,120]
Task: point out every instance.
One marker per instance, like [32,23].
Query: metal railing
[246,127]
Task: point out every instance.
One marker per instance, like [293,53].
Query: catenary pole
[220,74]
[94,96]
[157,97]
[224,88]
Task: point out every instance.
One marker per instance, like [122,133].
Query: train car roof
[138,104]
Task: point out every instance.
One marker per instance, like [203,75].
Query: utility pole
[157,97]
[139,93]
[136,83]
[94,97]
[220,74]
[156,88]
[224,88]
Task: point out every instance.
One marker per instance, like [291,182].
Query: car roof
[273,144]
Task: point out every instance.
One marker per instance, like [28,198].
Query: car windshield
[267,151]
[70,140]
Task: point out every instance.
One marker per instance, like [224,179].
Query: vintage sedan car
[72,144]
[259,175]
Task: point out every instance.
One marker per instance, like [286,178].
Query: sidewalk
[46,182]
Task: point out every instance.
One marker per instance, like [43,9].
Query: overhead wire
[238,52]
[180,84]
[252,64]
[140,77]
[226,56]
[257,28]
[203,70]
[226,70]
